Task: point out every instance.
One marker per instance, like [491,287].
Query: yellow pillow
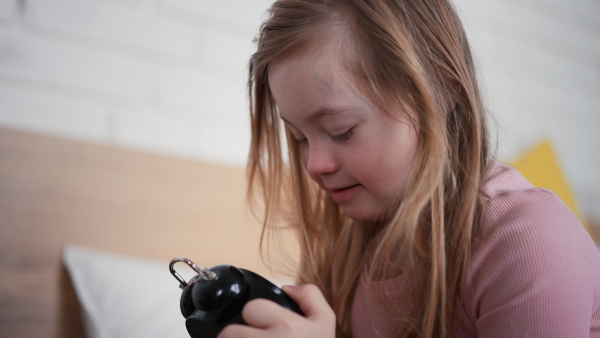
[540,166]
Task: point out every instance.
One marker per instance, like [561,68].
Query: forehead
[323,68]
[311,82]
[326,60]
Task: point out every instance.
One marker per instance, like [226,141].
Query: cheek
[388,166]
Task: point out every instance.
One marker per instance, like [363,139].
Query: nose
[319,161]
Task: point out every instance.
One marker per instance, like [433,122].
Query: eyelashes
[335,138]
[343,137]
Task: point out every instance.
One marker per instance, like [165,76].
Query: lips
[340,195]
[340,189]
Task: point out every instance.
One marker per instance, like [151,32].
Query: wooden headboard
[55,192]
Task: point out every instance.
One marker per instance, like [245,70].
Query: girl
[406,226]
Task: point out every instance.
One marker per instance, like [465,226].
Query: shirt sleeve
[535,271]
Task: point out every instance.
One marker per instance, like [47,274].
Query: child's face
[360,156]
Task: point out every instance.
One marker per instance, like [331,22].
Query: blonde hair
[401,52]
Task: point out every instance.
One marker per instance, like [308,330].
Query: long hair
[412,53]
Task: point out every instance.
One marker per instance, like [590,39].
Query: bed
[107,203]
[113,218]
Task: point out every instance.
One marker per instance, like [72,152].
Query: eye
[343,137]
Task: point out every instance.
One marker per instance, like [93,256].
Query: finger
[311,301]
[263,313]
[238,330]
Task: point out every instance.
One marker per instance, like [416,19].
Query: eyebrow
[325,112]
[321,112]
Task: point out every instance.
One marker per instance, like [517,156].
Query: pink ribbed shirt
[535,271]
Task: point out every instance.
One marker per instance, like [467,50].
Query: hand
[268,319]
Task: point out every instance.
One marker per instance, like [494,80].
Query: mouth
[340,195]
[342,189]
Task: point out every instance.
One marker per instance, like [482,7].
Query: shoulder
[519,217]
[533,264]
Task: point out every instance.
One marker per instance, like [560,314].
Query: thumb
[311,301]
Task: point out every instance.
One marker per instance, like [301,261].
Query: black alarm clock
[214,297]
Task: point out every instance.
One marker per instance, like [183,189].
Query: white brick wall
[39,61]
[106,23]
[540,62]
[32,111]
[242,13]
[169,75]
[208,95]
[7,9]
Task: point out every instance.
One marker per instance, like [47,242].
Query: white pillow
[124,296]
